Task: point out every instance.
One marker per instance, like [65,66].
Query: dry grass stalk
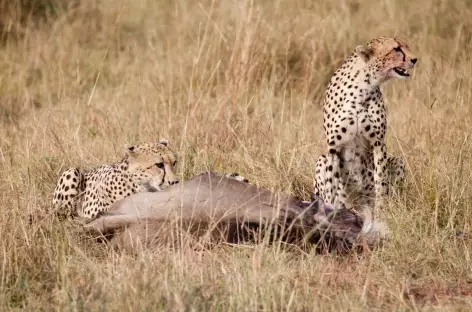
[78,85]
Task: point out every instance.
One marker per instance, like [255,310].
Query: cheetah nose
[173,182]
[414,60]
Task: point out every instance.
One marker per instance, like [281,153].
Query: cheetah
[237,176]
[355,124]
[145,167]
[395,178]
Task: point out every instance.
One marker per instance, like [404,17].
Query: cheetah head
[387,58]
[153,163]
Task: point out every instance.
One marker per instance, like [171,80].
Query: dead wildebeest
[238,210]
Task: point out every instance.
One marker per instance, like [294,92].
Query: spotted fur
[361,187]
[145,167]
[355,123]
[237,176]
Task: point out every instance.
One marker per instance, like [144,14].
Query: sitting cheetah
[355,122]
[145,167]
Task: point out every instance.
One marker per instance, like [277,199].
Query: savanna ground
[234,86]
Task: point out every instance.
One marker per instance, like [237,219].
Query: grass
[234,86]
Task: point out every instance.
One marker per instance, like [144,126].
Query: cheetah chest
[359,123]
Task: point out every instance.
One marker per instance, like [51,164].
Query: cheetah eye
[174,163]
[160,165]
[398,49]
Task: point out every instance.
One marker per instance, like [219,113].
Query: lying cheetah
[355,122]
[145,167]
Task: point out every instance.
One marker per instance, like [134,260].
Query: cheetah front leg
[331,182]
[396,172]
[321,187]
[320,180]
[380,172]
[334,185]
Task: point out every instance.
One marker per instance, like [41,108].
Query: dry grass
[234,85]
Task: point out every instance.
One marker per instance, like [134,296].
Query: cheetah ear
[164,142]
[129,149]
[365,52]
